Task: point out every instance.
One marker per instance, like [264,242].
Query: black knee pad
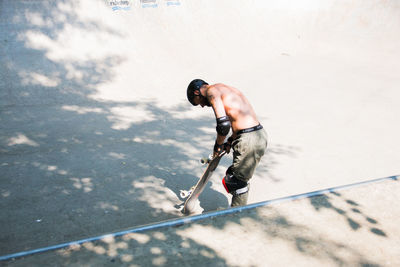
[233,185]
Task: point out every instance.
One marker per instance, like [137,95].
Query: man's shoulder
[218,88]
[219,85]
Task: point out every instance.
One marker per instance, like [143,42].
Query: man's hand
[218,149]
[225,146]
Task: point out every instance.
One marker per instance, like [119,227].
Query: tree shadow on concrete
[187,245]
[73,167]
[350,210]
[274,225]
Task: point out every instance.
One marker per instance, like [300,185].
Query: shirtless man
[248,140]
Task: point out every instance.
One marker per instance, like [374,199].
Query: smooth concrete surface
[357,227]
[96,134]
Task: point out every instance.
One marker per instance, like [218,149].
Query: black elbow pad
[223,125]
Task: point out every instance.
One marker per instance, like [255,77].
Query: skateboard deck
[193,194]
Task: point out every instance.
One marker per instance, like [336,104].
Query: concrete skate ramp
[356,227]
[97,134]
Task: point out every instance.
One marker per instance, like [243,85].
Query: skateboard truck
[193,193]
[186,193]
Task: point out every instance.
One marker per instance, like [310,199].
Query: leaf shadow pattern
[71,166]
[269,224]
[349,209]
[212,243]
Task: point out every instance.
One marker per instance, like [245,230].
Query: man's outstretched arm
[223,121]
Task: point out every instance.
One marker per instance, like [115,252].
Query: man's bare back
[228,101]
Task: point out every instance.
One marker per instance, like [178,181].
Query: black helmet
[193,86]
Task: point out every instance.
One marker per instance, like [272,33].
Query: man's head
[194,95]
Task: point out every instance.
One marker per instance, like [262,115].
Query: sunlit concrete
[96,133]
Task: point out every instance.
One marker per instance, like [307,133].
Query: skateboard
[193,193]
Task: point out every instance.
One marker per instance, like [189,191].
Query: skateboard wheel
[184,194]
[206,160]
